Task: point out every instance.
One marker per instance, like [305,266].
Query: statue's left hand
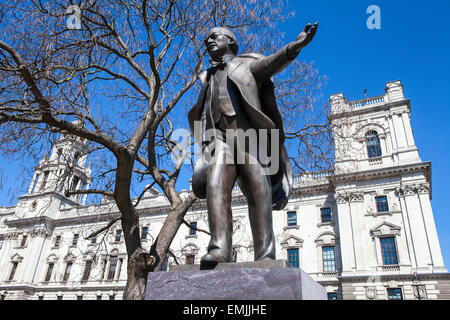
[305,37]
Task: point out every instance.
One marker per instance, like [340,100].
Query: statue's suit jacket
[251,73]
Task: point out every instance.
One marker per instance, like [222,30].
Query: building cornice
[403,277]
[370,109]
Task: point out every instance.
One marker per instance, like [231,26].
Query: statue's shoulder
[203,76]
[251,56]
[246,59]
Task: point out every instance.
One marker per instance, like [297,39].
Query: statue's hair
[227,32]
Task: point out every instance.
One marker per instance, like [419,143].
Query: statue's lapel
[240,74]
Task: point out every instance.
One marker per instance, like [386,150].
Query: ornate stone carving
[423,188]
[371,293]
[411,189]
[356,197]
[422,291]
[341,198]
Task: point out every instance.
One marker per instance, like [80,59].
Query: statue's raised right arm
[269,66]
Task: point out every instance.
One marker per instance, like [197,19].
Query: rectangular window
[13,271]
[395,294]
[67,272]
[332,295]
[144,233]
[112,268]
[49,272]
[382,204]
[293,258]
[190,259]
[104,269]
[165,264]
[388,251]
[57,241]
[292,218]
[59,297]
[79,297]
[118,235]
[325,215]
[192,228]
[75,239]
[112,297]
[74,183]
[87,270]
[329,262]
[35,183]
[24,241]
[94,240]
[120,268]
[99,297]
[44,182]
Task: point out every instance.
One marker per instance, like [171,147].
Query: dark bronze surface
[237,93]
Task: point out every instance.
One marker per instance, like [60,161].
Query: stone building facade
[364,231]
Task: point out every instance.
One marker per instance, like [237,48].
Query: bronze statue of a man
[237,96]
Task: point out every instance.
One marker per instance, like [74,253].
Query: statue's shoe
[210,261]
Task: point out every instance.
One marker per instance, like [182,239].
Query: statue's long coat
[258,99]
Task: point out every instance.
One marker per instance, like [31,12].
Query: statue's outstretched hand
[305,37]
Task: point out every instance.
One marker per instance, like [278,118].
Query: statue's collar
[222,61]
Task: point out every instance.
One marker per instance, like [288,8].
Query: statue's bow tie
[218,64]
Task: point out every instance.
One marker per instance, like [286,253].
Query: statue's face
[217,43]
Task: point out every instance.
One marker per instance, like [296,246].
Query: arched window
[373,144]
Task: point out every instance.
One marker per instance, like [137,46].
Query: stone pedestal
[266,280]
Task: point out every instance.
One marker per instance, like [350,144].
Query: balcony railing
[366,102]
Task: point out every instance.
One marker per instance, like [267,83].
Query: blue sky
[412,46]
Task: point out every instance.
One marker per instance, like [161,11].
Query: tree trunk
[138,267]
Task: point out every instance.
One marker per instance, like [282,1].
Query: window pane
[388,251]
[292,218]
[13,270]
[332,296]
[165,264]
[382,204]
[325,215]
[395,294]
[293,258]
[112,268]
[373,144]
[75,239]
[24,241]
[87,270]
[191,230]
[44,182]
[118,235]
[329,263]
[144,233]
[57,241]
[67,272]
[49,272]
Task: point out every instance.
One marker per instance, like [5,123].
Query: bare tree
[119,75]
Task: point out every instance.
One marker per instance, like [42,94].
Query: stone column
[417,226]
[360,238]
[346,234]
[35,252]
[423,191]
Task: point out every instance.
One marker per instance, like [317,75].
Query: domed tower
[65,169]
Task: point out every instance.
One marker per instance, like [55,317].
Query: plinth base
[272,281]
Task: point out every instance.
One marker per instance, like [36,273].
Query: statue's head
[220,41]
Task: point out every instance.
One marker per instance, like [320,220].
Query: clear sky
[412,46]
